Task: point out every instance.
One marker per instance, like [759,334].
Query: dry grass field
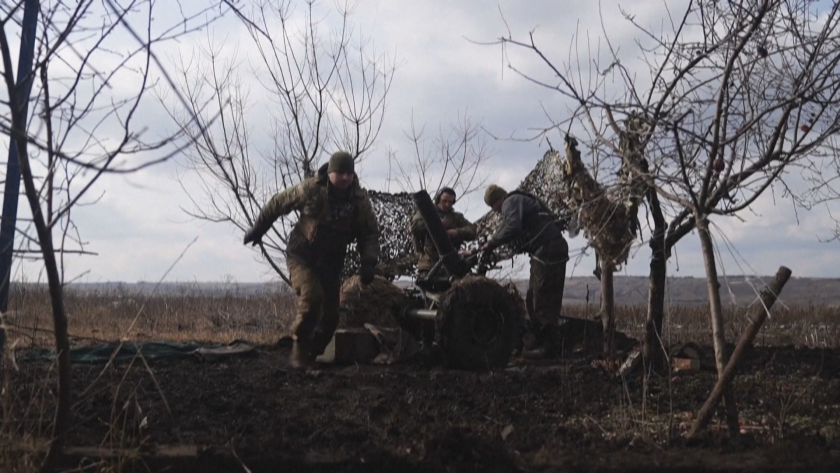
[262,317]
[253,412]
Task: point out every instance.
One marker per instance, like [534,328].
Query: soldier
[334,210]
[532,228]
[457,227]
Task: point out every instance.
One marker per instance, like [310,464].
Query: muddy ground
[562,415]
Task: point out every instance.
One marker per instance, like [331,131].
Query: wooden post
[759,314]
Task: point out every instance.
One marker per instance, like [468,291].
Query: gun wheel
[477,324]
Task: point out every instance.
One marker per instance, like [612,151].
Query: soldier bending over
[530,227]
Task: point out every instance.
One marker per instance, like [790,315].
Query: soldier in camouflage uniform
[334,211]
[457,227]
[530,227]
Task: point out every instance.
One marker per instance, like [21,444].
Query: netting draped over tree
[393,212]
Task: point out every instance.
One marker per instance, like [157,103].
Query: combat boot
[538,351]
[300,358]
[545,344]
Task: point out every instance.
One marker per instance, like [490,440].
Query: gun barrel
[434,226]
[422,314]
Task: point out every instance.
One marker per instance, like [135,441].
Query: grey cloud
[139,231]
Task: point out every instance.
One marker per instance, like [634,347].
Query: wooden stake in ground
[758,314]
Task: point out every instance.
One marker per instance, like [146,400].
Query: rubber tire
[484,298]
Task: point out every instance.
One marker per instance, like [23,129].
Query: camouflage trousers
[544,299]
[318,294]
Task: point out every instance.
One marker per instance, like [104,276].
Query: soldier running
[334,210]
[530,227]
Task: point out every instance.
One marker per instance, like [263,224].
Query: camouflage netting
[565,186]
[374,304]
[396,247]
[608,219]
[608,216]
[394,211]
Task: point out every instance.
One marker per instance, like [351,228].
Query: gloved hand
[366,273]
[252,237]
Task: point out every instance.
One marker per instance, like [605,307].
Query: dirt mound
[377,303]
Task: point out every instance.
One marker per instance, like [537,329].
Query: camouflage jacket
[424,245]
[329,221]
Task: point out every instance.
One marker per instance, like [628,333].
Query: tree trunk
[654,351]
[62,342]
[608,306]
[716,312]
[767,297]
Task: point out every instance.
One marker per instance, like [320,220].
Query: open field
[547,416]
[629,290]
[262,314]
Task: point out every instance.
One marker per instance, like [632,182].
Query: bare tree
[456,157]
[739,94]
[84,126]
[326,91]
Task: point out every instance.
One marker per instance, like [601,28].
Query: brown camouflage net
[374,304]
[608,219]
[609,216]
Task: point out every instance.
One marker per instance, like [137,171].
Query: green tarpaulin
[150,350]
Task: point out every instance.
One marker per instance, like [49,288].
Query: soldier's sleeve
[368,234]
[467,230]
[283,203]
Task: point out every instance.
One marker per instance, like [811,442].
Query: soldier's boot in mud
[539,351]
[300,358]
[526,334]
[545,344]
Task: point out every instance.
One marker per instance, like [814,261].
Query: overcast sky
[138,227]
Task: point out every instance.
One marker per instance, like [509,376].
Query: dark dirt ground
[559,416]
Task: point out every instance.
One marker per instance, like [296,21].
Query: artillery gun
[474,320]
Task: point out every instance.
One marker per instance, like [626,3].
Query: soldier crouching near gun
[334,210]
[532,228]
[457,227]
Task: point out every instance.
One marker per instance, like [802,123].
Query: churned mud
[563,415]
